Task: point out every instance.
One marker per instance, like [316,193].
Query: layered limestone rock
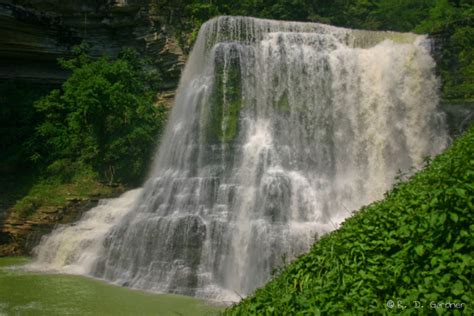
[34,33]
[19,235]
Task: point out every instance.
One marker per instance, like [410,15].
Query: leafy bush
[457,67]
[103,117]
[415,245]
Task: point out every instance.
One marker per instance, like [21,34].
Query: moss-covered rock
[226,96]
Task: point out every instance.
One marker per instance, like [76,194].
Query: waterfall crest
[279,131]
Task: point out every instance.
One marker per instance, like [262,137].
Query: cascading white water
[279,130]
[75,248]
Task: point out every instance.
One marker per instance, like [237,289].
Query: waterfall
[279,131]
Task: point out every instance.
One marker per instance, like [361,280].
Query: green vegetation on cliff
[48,194]
[102,118]
[415,245]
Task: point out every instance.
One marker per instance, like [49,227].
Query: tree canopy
[103,117]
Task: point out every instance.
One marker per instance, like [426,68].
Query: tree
[102,118]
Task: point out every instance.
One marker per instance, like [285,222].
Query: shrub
[102,117]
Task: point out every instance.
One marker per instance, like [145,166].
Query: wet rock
[459,117]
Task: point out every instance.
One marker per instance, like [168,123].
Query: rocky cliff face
[34,33]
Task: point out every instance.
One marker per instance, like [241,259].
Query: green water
[27,293]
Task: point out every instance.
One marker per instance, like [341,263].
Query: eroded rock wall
[34,33]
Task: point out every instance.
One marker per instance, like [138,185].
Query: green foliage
[54,193]
[103,117]
[457,67]
[188,16]
[389,12]
[454,22]
[415,245]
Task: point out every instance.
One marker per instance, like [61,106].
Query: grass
[414,247]
[53,194]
